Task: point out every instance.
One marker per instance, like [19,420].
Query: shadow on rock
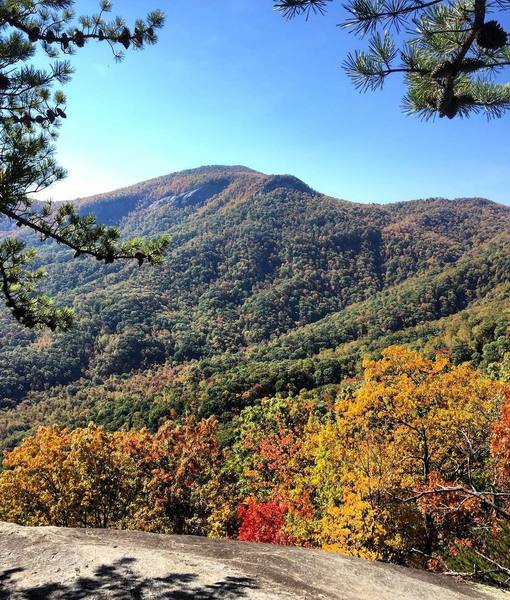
[118,580]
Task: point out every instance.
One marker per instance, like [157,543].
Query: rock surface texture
[52,563]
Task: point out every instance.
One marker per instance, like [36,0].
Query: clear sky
[231,82]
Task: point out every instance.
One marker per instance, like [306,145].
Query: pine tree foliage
[31,111]
[451,53]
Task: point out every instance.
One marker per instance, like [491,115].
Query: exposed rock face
[51,563]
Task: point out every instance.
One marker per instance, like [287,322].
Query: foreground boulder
[52,563]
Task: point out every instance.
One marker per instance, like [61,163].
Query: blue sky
[231,82]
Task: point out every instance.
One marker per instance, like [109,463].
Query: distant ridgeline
[269,287]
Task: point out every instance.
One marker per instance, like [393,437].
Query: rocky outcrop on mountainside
[51,563]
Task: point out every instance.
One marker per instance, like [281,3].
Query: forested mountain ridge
[263,276]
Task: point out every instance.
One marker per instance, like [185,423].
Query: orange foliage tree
[184,487]
[167,481]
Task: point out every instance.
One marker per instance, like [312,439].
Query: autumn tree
[280,483]
[80,478]
[484,555]
[262,521]
[31,111]
[184,490]
[450,53]
[414,427]
[170,481]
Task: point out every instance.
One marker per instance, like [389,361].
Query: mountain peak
[215,169]
[287,182]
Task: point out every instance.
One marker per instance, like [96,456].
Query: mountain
[269,286]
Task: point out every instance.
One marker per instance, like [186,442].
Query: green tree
[31,111]
[449,51]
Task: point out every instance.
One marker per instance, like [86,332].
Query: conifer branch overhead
[451,53]
[31,111]
[294,8]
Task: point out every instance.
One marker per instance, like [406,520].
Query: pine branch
[82,235]
[448,53]
[30,114]
[18,286]
[294,8]
[366,15]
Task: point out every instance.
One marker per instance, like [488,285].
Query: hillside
[53,563]
[269,286]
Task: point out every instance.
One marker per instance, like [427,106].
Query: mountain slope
[261,269]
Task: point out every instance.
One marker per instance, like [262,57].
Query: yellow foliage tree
[412,422]
[80,478]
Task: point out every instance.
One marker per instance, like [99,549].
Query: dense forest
[268,287]
[282,325]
